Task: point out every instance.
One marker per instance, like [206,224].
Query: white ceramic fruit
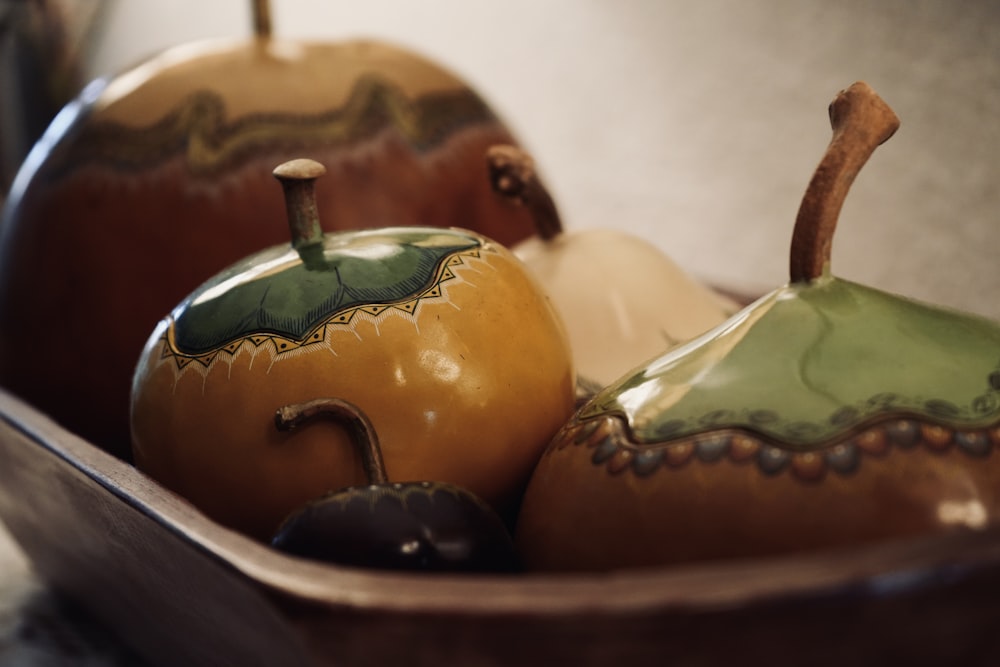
[623,300]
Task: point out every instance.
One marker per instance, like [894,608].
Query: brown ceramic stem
[350,416]
[513,176]
[861,121]
[261,18]
[298,180]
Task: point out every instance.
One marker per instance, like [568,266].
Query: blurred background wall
[697,124]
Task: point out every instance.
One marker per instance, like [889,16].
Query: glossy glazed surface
[150,183]
[440,336]
[807,364]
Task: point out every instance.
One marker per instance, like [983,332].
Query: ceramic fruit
[622,299]
[826,414]
[152,181]
[440,336]
[425,526]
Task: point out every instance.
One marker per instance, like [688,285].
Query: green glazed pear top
[811,361]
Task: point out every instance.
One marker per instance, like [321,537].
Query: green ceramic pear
[825,414]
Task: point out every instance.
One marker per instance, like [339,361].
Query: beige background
[697,124]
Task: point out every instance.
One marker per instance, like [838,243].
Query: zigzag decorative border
[347,319]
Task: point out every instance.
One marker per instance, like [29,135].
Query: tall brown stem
[350,416]
[513,176]
[861,121]
[261,18]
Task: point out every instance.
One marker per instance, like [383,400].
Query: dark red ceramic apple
[152,181]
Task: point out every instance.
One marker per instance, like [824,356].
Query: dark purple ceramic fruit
[397,526]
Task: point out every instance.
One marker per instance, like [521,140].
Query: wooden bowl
[181,590]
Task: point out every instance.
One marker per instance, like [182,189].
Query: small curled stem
[351,417]
[512,176]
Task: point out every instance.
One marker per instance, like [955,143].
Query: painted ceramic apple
[623,300]
[440,336]
[826,414]
[152,181]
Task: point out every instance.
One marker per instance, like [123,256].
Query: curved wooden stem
[348,415]
[261,18]
[513,177]
[861,121]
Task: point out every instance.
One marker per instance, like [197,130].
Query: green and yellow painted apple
[154,180]
[623,300]
[440,336]
[826,414]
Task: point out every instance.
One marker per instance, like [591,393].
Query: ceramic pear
[153,180]
[824,415]
[440,336]
[623,300]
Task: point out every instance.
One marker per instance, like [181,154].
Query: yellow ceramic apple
[440,336]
